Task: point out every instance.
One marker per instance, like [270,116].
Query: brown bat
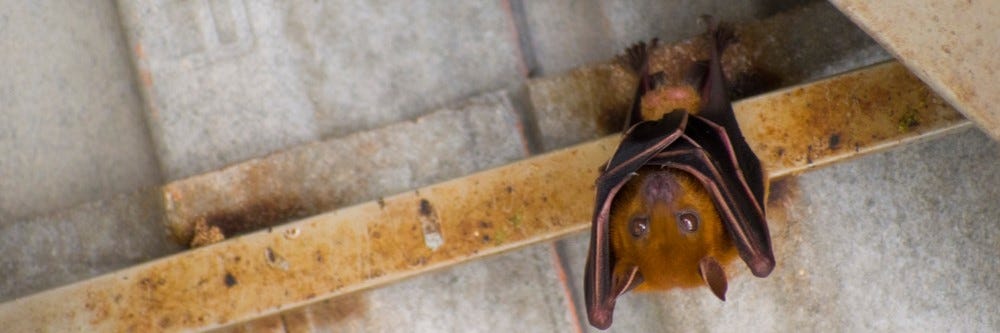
[682,194]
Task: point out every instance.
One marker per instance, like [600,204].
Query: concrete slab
[82,242]
[226,81]
[218,81]
[518,291]
[365,64]
[72,129]
[886,243]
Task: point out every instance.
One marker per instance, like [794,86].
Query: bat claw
[636,56]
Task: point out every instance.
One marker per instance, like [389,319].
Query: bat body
[682,195]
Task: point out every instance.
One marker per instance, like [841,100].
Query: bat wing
[718,110]
[740,213]
[640,143]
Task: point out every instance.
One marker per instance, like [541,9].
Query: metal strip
[531,201]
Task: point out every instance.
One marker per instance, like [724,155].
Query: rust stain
[145,77]
[236,200]
[140,52]
[205,234]
[832,119]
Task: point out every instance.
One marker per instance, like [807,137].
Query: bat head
[666,233]
[665,98]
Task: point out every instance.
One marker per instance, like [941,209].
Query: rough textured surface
[71,127]
[226,81]
[565,34]
[365,64]
[218,83]
[481,133]
[900,241]
[518,291]
[780,51]
[82,242]
[951,46]
[229,80]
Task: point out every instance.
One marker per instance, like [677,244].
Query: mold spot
[230,280]
[425,208]
[255,216]
[834,141]
[275,260]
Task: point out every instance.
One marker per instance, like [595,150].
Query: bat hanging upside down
[682,195]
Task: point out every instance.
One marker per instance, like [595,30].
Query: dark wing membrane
[747,228]
[642,141]
[734,157]
[640,144]
[718,109]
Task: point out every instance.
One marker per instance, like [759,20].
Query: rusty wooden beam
[531,201]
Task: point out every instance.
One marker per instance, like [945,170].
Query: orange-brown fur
[667,258]
[664,99]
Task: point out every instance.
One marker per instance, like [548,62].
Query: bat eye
[688,221]
[639,226]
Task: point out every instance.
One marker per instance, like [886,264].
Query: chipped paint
[430,226]
[531,201]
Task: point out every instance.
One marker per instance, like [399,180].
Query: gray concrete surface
[221,90]
[514,292]
[218,81]
[71,126]
[82,242]
[566,34]
[903,241]
[369,63]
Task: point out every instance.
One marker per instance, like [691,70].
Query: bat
[683,193]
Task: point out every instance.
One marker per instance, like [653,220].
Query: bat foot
[636,56]
[722,33]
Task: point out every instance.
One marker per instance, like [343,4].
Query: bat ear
[714,276]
